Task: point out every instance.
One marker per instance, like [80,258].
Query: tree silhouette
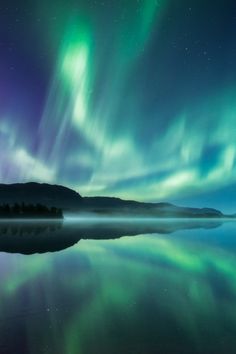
[29,211]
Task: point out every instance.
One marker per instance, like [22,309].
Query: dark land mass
[37,193]
[53,236]
[72,202]
[29,211]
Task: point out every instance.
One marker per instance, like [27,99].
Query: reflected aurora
[102,285]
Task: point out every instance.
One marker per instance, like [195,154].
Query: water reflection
[40,237]
[154,293]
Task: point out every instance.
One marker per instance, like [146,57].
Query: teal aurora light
[134,99]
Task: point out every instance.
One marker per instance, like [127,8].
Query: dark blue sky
[127,98]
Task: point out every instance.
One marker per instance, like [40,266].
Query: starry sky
[127,98]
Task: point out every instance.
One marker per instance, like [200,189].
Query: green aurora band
[95,135]
[111,145]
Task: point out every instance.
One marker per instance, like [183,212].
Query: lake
[138,287]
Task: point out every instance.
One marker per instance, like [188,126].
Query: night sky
[127,98]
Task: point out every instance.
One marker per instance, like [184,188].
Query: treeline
[29,211]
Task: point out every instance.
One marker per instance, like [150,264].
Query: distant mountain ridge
[71,201]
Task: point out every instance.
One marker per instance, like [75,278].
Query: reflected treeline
[41,237]
[29,238]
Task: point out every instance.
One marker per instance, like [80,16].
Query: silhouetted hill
[108,205]
[37,193]
[71,201]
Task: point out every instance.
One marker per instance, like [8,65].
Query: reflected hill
[33,237]
[53,236]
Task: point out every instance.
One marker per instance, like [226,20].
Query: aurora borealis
[135,99]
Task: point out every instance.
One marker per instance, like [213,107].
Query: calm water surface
[167,290]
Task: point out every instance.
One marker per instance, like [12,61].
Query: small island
[29,211]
